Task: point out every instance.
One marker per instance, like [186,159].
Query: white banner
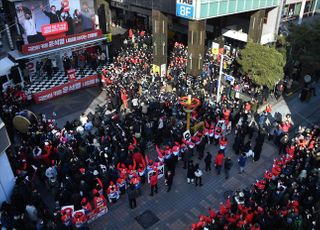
[160,172]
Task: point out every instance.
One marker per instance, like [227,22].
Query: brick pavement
[183,204]
[179,208]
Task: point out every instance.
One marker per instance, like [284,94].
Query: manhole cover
[147,219]
[228,193]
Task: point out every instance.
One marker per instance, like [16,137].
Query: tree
[263,64]
[304,43]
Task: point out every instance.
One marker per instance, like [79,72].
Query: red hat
[260,185]
[82,170]
[84,201]
[131,147]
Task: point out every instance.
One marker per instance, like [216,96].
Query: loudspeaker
[15,74]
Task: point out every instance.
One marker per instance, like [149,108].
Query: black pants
[133,203]
[185,164]
[227,173]
[200,181]
[154,188]
[169,187]
[216,141]
[208,167]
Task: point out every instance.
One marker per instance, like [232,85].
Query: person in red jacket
[86,206]
[219,161]
[223,141]
[154,182]
[100,202]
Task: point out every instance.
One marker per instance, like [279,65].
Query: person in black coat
[207,161]
[186,157]
[201,148]
[190,172]
[169,180]
[54,15]
[257,151]
[132,195]
[227,166]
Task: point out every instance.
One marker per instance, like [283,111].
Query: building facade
[298,10]
[7,179]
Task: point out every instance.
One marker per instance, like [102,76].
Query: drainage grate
[147,219]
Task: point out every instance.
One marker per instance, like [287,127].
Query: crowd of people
[286,198]
[94,160]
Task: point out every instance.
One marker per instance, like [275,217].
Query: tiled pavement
[182,205]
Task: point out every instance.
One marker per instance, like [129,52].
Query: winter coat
[219,159]
[207,159]
[228,164]
[154,180]
[242,161]
[132,193]
[190,172]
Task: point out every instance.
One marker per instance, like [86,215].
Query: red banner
[55,28]
[66,88]
[71,74]
[59,42]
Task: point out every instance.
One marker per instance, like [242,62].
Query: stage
[44,89]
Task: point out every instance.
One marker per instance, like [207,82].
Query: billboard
[47,20]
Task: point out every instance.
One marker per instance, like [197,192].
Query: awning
[16,55]
[6,65]
[235,34]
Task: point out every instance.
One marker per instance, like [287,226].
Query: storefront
[62,46]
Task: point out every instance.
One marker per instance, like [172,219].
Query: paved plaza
[183,204]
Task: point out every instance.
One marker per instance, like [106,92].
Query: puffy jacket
[219,159]
[154,179]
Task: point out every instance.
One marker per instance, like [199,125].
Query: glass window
[232,6]
[291,11]
[285,11]
[308,7]
[223,7]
